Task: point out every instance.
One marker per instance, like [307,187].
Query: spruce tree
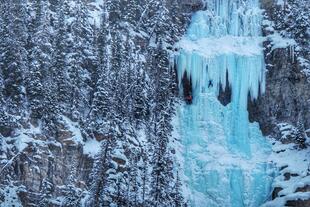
[300,136]
[177,192]
[59,60]
[162,173]
[46,190]
[101,183]
[131,11]
[40,58]
[13,60]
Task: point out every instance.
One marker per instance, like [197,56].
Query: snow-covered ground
[293,166]
[10,197]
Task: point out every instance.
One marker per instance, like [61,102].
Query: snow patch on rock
[293,172]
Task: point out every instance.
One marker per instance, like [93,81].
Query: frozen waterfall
[224,156]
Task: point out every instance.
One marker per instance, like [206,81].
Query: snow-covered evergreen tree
[65,82]
[13,53]
[300,135]
[40,59]
[162,173]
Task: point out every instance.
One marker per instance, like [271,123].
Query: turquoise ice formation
[224,156]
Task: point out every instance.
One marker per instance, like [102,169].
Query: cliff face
[43,168]
[287,85]
[46,169]
[287,95]
[283,112]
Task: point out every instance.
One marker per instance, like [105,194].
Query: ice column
[224,155]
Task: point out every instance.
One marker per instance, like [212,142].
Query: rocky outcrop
[287,96]
[298,203]
[283,111]
[49,166]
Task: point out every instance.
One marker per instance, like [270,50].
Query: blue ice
[225,157]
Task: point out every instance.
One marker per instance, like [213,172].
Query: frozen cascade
[224,156]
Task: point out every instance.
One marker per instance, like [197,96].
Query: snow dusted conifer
[131,10]
[101,101]
[114,11]
[102,187]
[134,181]
[61,48]
[300,135]
[72,193]
[46,190]
[78,74]
[162,172]
[40,59]
[101,106]
[141,104]
[177,192]
[14,54]
[71,196]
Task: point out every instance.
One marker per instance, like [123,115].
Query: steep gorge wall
[287,97]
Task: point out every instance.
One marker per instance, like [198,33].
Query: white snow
[289,159]
[22,141]
[74,128]
[96,12]
[280,42]
[25,136]
[269,25]
[91,147]
[10,197]
[281,2]
[243,46]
